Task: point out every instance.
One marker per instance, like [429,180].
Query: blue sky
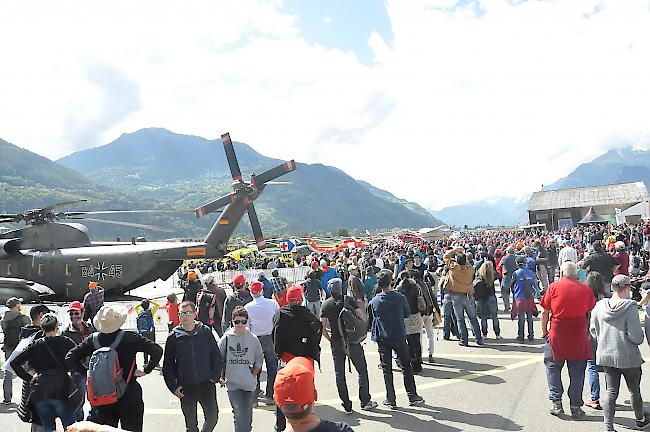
[342,24]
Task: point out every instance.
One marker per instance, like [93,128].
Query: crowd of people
[586,282]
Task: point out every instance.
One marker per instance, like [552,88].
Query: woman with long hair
[486,299]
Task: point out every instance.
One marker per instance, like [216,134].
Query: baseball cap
[314,264]
[335,286]
[13,301]
[239,279]
[75,306]
[294,384]
[294,293]
[256,287]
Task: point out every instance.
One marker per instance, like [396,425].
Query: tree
[342,232]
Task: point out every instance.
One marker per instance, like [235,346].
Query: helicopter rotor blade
[215,205]
[255,225]
[278,183]
[231,157]
[81,213]
[62,204]
[276,172]
[129,224]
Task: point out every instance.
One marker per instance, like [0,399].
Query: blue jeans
[49,409]
[522,318]
[488,309]
[506,283]
[594,381]
[465,303]
[271,361]
[554,377]
[80,382]
[358,359]
[242,408]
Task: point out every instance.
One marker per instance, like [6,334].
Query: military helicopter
[51,260]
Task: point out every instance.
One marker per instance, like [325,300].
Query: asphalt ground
[498,387]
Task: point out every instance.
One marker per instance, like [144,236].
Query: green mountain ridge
[156,168]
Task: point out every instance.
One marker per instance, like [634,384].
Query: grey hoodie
[242,354]
[619,334]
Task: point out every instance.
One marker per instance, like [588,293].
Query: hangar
[563,208]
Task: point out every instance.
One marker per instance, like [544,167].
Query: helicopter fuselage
[117,268]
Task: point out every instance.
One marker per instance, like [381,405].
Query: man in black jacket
[296,333]
[129,409]
[191,367]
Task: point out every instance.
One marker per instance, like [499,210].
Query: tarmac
[500,386]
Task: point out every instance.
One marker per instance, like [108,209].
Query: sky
[437,101]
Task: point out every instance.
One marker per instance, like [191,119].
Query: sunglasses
[185,313]
[240,321]
[75,313]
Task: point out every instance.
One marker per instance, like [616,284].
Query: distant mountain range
[500,212]
[615,166]
[156,168]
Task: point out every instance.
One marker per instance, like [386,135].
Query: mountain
[501,212]
[187,171]
[28,181]
[616,166]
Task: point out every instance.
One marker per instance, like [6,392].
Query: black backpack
[297,335]
[353,329]
[12,333]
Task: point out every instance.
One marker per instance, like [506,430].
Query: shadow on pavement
[486,420]
[462,368]
[505,345]
[400,419]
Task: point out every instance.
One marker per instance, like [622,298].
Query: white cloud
[482,106]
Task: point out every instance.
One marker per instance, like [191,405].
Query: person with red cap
[296,333]
[260,315]
[239,297]
[77,331]
[295,395]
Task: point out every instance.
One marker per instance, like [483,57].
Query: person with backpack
[118,400]
[348,329]
[145,323]
[51,385]
[387,311]
[210,302]
[192,367]
[296,333]
[12,321]
[413,323]
[29,334]
[523,298]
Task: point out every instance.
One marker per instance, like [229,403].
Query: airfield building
[616,203]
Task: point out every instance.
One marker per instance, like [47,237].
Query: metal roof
[613,194]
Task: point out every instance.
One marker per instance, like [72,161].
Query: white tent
[637,211]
